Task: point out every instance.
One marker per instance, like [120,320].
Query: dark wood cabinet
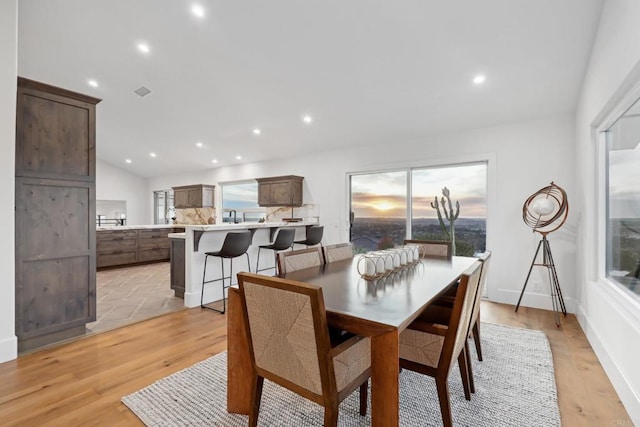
[280,191]
[194,196]
[177,266]
[116,247]
[55,257]
[133,246]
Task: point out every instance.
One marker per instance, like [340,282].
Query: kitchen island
[199,239]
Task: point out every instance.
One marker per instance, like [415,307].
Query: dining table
[377,308]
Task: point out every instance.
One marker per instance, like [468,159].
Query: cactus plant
[447,208]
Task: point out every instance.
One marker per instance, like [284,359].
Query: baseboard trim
[625,390]
[530,299]
[8,349]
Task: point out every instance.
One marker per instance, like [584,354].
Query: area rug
[515,386]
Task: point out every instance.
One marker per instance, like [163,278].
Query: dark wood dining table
[379,309]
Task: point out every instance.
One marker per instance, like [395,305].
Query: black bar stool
[283,241]
[314,236]
[235,244]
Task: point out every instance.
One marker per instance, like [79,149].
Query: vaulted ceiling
[365,71]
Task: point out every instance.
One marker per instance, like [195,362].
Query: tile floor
[131,294]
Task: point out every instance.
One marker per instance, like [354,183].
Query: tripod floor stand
[547,261]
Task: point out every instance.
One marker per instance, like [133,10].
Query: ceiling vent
[142,91]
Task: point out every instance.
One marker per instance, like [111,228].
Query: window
[163,211]
[623,200]
[382,215]
[241,197]
[378,210]
[467,186]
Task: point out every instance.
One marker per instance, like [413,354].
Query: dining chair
[297,260]
[289,345]
[338,252]
[432,248]
[432,348]
[435,312]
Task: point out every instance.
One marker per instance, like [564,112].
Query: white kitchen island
[207,238]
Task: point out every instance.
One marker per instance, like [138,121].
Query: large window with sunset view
[381,210]
[378,210]
[467,188]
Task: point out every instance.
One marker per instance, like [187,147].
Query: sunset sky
[384,194]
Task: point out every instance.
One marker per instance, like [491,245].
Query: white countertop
[248,225]
[134,227]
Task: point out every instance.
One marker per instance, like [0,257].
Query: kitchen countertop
[247,225]
[134,227]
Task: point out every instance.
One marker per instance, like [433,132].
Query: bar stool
[283,241]
[235,244]
[314,236]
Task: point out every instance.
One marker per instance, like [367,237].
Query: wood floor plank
[82,382]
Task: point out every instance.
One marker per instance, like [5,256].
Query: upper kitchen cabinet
[280,191]
[193,196]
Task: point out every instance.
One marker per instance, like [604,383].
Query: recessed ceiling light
[128,161]
[257,131]
[92,83]
[307,119]
[214,161]
[144,48]
[152,154]
[479,79]
[199,144]
[197,10]
[239,157]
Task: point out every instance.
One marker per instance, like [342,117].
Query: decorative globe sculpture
[545,211]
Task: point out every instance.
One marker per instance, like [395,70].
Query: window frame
[242,211]
[621,296]
[487,160]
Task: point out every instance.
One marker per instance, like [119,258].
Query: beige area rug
[515,386]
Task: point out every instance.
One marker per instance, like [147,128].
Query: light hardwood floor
[81,383]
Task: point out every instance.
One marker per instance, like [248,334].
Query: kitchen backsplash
[306,212]
[195,216]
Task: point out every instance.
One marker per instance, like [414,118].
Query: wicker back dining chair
[289,261]
[432,348]
[432,248]
[338,252]
[289,344]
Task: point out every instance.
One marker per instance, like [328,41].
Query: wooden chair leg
[476,338]
[256,396]
[472,384]
[364,389]
[464,373]
[331,416]
[443,396]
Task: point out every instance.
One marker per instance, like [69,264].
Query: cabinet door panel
[55,295]
[54,137]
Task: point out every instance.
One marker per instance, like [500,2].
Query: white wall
[523,158]
[610,319]
[113,183]
[8,75]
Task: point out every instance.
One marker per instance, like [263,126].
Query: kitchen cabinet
[193,196]
[133,246]
[177,268]
[55,252]
[280,191]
